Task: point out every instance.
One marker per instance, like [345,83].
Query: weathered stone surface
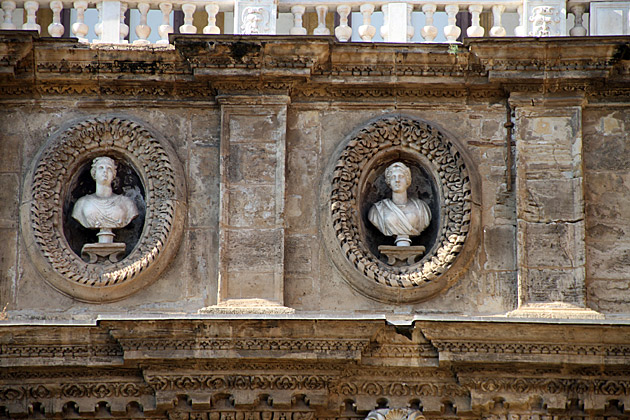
[245,284]
[205,127]
[499,247]
[301,293]
[9,268]
[549,145]
[551,200]
[252,206]
[250,129]
[203,195]
[607,182]
[252,163]
[9,197]
[551,244]
[335,95]
[547,285]
[301,253]
[209,339]
[254,249]
[606,140]
[608,260]
[12,146]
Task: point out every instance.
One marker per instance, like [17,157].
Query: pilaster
[550,206]
[251,219]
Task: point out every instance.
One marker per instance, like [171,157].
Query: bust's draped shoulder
[112,212]
[391,220]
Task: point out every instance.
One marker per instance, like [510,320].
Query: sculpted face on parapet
[400,216]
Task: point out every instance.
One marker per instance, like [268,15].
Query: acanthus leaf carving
[44,219]
[452,172]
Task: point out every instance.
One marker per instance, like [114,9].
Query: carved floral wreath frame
[42,214]
[457,235]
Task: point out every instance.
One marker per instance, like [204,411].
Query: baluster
[497,28]
[79,28]
[297,29]
[321,21]
[520,29]
[385,27]
[188,27]
[410,28]
[452,31]
[55,29]
[367,31]
[212,9]
[142,29]
[8,6]
[475,30]
[165,28]
[428,31]
[98,28]
[578,29]
[343,32]
[124,28]
[31,16]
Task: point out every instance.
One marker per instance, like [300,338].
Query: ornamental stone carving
[401,216]
[395,414]
[545,21]
[104,210]
[255,17]
[60,213]
[432,210]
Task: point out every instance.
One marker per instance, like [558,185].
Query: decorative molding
[531,348]
[537,386]
[400,133]
[398,388]
[42,217]
[250,344]
[59,351]
[233,382]
[353,93]
[395,414]
[401,351]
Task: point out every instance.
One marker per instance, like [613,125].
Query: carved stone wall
[267,307]
[176,95]
[437,370]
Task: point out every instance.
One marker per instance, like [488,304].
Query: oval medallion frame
[389,138]
[46,187]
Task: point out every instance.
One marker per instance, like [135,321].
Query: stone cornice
[198,67]
[543,344]
[223,367]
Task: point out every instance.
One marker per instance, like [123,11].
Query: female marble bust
[400,216]
[104,210]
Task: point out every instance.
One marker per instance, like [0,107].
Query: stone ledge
[555,310]
[247,306]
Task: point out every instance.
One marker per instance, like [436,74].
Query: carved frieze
[53,184]
[445,183]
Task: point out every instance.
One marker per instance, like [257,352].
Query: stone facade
[253,288]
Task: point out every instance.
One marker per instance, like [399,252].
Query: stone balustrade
[409,21]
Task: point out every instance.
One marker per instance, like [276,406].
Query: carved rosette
[42,214]
[362,269]
[395,414]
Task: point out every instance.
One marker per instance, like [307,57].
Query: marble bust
[104,210]
[400,216]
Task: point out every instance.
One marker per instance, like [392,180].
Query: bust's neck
[399,198]
[103,191]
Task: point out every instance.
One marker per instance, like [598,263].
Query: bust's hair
[102,159]
[397,165]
